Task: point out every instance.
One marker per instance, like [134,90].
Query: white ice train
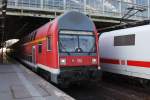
[126,51]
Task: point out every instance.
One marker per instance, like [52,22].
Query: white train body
[126,51]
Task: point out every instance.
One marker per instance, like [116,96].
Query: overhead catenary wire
[131,12]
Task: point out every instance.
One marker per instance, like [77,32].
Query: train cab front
[78,56]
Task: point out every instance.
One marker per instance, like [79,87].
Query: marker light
[62,61]
[99,68]
[94,61]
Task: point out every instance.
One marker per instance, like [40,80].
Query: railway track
[110,89]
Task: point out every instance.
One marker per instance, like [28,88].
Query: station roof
[17,26]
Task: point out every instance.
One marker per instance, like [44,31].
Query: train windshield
[75,43]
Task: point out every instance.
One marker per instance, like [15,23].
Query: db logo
[79,60]
[73,60]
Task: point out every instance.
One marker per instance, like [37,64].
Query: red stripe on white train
[129,62]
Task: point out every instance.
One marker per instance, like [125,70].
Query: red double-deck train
[66,49]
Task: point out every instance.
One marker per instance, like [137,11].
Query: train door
[33,55]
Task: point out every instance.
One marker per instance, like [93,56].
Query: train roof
[128,30]
[124,25]
[76,21]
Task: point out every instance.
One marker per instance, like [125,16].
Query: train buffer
[19,83]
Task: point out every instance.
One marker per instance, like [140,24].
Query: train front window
[68,43]
[77,43]
[87,43]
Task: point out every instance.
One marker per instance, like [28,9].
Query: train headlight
[63,61]
[99,67]
[94,61]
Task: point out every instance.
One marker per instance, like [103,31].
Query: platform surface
[19,83]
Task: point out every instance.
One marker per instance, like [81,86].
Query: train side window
[40,47]
[124,40]
[34,35]
[49,46]
[31,36]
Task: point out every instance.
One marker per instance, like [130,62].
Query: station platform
[19,83]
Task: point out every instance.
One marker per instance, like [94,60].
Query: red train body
[66,48]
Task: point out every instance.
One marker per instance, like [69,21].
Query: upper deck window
[49,47]
[124,40]
[40,47]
